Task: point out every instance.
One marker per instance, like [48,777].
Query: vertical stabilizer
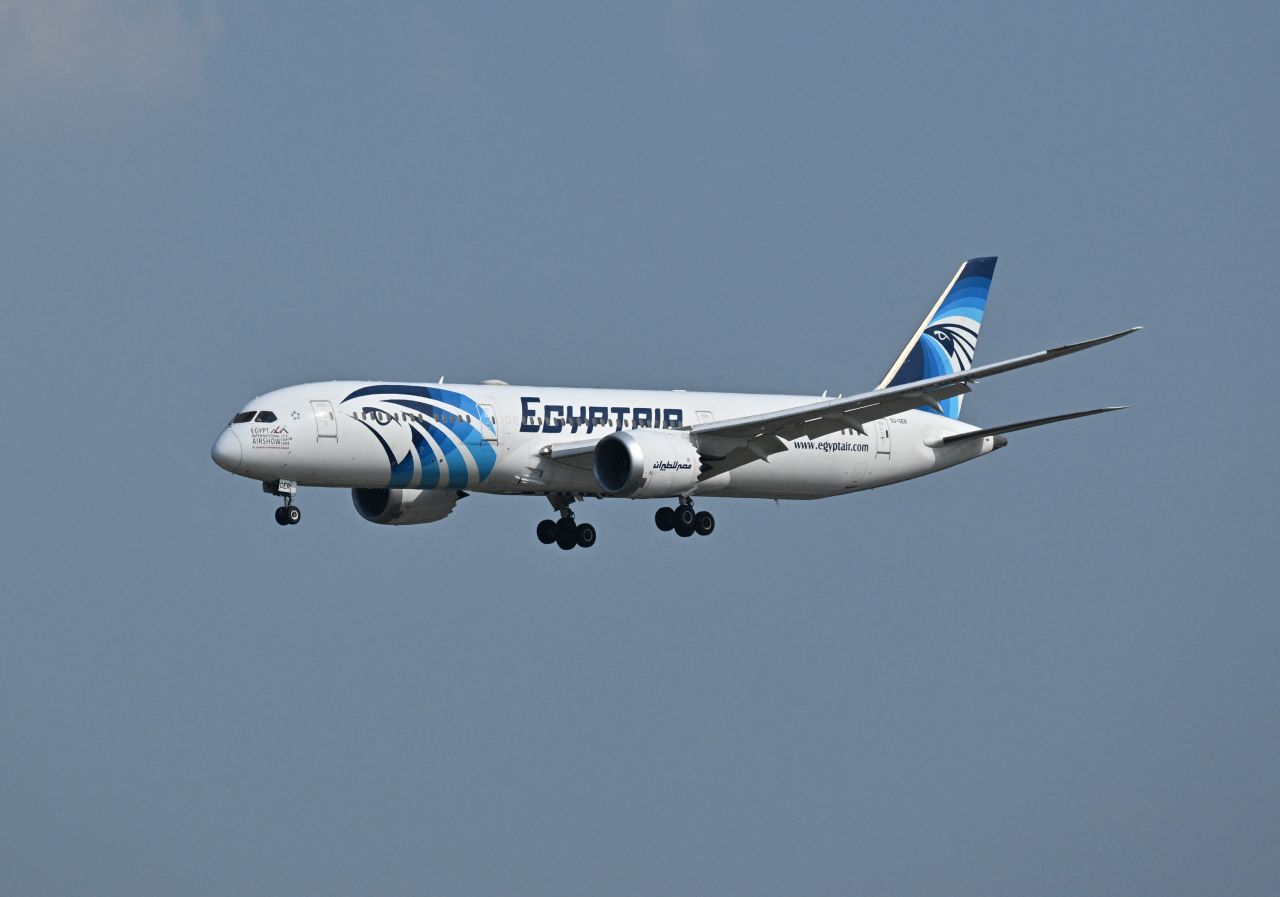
[947,339]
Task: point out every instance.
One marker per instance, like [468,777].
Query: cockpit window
[266,417]
[243,417]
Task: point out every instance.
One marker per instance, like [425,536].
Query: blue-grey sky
[1052,671]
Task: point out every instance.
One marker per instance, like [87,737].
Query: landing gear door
[857,474]
[326,421]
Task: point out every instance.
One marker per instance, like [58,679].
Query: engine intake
[399,507]
[646,464]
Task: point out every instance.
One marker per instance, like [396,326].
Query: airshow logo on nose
[433,437]
[264,437]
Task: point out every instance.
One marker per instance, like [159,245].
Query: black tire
[566,528]
[704,524]
[684,517]
[683,531]
[567,540]
[586,535]
[546,531]
[293,514]
[280,516]
[666,519]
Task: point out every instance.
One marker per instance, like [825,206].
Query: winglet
[1089,343]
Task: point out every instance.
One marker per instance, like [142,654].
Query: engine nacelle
[646,463]
[399,507]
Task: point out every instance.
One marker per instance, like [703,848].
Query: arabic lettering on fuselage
[537,416]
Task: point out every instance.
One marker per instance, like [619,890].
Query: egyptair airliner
[410,451]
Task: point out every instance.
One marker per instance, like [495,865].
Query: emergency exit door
[882,440]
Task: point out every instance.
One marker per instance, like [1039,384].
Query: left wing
[732,443]
[574,454]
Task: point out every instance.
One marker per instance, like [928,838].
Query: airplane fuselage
[493,438]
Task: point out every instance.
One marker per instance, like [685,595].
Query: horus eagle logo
[958,340]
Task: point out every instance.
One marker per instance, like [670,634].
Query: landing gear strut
[684,520]
[288,513]
[565,532]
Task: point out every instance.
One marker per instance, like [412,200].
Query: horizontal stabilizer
[1025,425]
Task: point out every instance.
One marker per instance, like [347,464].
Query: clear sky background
[1053,671]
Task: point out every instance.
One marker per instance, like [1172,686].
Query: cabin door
[326,421]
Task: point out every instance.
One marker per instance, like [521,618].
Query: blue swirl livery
[945,343]
[434,438]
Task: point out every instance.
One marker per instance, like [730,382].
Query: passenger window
[243,417]
[266,417]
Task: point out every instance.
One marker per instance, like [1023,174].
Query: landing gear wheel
[280,516]
[546,531]
[684,517]
[292,514]
[566,533]
[684,531]
[666,519]
[586,535]
[703,523]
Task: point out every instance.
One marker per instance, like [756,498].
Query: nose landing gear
[684,520]
[565,532]
[288,513]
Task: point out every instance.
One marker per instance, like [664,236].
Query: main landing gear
[288,513]
[684,520]
[568,533]
[565,532]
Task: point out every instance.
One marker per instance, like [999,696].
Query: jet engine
[403,506]
[646,463]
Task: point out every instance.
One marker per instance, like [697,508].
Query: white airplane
[409,451]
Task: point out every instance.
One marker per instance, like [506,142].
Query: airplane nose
[226,451]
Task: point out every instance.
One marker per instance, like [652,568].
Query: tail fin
[948,337]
